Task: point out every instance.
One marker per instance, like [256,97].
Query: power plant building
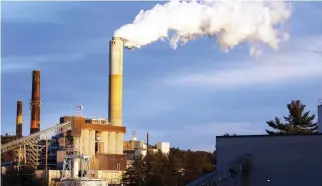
[97,139]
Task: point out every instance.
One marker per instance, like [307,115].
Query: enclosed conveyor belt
[31,139]
[212,179]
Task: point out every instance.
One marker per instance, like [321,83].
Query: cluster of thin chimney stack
[34,105]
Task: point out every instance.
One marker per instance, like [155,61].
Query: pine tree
[135,174]
[297,122]
[230,134]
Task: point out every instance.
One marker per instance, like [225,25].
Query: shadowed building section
[266,160]
[35,103]
[320,115]
[19,120]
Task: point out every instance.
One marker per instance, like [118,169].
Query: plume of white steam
[229,21]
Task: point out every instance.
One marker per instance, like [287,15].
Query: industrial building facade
[290,160]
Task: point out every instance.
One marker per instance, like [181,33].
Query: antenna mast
[79,110]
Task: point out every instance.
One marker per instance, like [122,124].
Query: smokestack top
[36,71]
[117,38]
[127,44]
[19,108]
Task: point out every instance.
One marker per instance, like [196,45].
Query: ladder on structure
[242,164]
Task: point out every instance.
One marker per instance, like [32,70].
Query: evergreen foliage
[230,134]
[297,122]
[177,168]
[135,174]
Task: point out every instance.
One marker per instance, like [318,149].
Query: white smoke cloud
[231,22]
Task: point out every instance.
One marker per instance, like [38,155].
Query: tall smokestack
[35,102]
[116,81]
[19,120]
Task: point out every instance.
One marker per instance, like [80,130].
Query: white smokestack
[230,21]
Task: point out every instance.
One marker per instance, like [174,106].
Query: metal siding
[284,160]
[79,124]
[109,162]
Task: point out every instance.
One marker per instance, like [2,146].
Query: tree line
[179,167]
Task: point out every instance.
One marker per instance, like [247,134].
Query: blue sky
[185,96]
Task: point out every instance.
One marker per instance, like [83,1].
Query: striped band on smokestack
[19,120]
[116,81]
[35,102]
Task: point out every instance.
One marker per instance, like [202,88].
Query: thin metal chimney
[35,103]
[19,120]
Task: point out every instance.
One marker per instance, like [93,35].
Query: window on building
[118,166]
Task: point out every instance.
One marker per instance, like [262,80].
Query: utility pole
[147,143]
[147,157]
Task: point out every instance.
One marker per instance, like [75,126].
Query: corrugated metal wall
[283,160]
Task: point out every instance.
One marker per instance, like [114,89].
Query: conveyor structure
[31,139]
[28,148]
[242,164]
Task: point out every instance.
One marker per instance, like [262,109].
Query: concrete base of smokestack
[116,81]
[112,143]
[104,139]
[91,146]
[85,141]
[119,143]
